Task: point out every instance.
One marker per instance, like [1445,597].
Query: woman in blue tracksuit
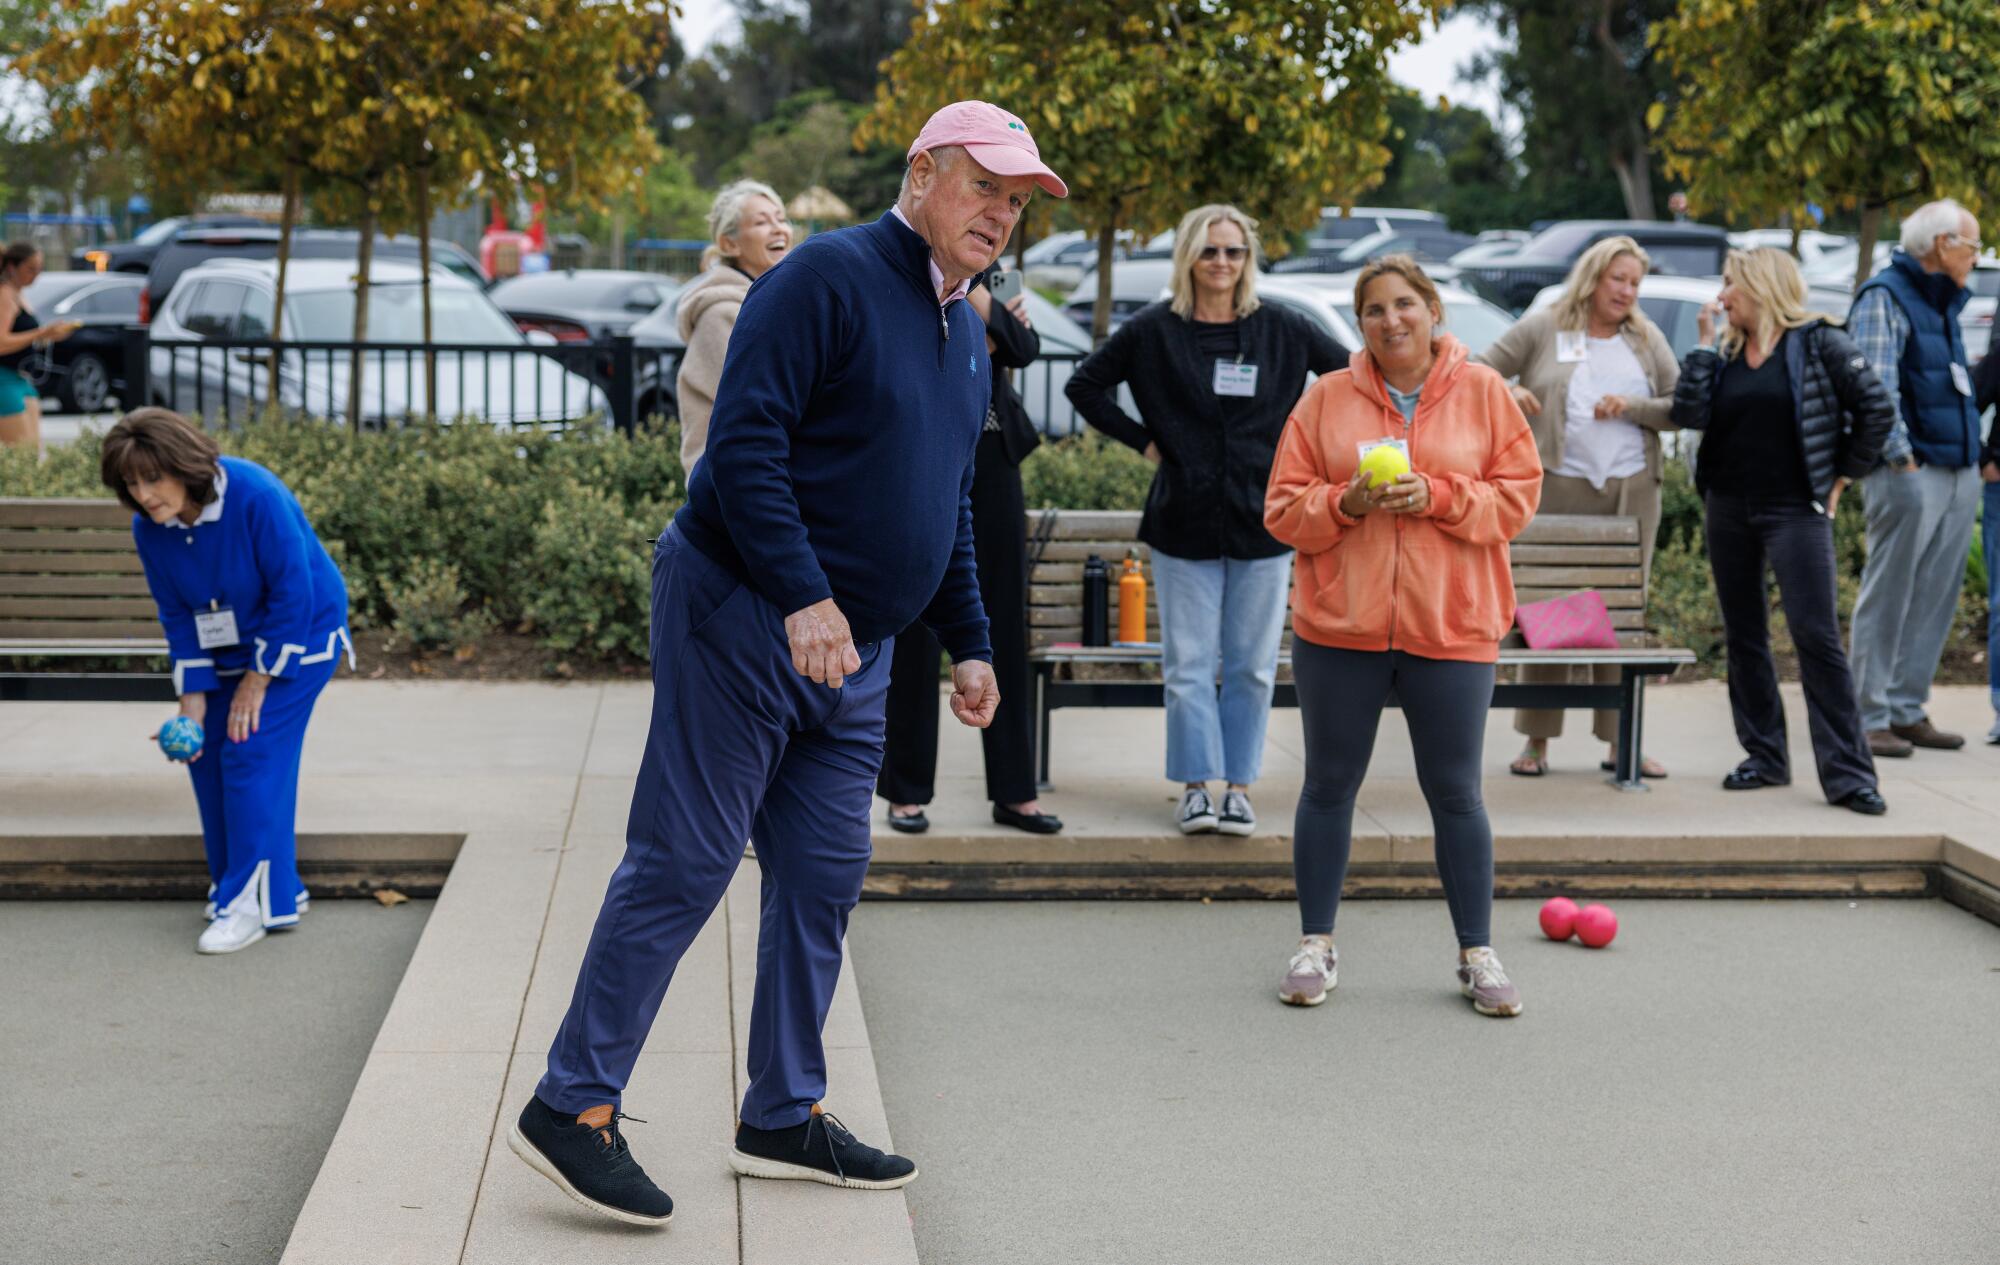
[256,620]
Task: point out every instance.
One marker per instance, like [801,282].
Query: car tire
[87,384]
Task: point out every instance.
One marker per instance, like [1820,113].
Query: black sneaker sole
[747,1165]
[531,1155]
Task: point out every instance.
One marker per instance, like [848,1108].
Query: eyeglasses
[1231,253]
[1972,244]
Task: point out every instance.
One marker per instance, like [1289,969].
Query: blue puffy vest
[1943,421]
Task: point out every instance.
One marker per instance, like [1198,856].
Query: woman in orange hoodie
[1401,584]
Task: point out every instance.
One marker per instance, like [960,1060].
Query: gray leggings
[1341,696]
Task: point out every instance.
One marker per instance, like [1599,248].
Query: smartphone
[1004,285]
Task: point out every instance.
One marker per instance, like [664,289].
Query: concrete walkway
[536,780]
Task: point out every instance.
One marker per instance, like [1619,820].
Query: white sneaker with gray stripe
[1238,818]
[1197,812]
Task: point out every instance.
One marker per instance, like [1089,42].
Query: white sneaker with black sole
[1238,818]
[1197,812]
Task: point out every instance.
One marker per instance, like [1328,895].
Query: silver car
[487,370]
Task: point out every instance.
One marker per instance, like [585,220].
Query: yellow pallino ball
[1383,465]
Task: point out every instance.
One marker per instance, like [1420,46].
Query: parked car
[1494,243]
[197,246]
[1836,266]
[137,255]
[1678,250]
[1060,260]
[1329,301]
[87,369]
[1814,245]
[1431,249]
[582,305]
[1674,304]
[501,377]
[1134,284]
[660,347]
[1337,228]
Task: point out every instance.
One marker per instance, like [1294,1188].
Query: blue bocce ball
[180,738]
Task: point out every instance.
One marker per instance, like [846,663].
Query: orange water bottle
[1132,600]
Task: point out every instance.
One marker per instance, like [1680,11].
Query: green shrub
[589,573]
[1086,472]
[430,608]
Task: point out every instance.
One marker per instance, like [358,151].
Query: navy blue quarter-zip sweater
[839,458]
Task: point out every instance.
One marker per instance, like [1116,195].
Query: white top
[1613,448]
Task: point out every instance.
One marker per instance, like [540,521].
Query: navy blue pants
[741,747]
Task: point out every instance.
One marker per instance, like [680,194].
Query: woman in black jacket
[909,763]
[1214,375]
[1778,448]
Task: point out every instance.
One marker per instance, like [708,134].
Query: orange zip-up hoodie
[1434,584]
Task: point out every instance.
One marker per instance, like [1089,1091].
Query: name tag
[215,629]
[1234,378]
[1961,379]
[1571,347]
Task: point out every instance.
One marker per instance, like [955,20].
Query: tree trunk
[1871,228]
[286,220]
[1100,313]
[618,238]
[1635,175]
[365,264]
[1798,230]
[424,262]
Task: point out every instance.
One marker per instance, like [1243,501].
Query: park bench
[71,587]
[1557,554]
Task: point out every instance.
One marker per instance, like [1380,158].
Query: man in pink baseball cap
[967,210]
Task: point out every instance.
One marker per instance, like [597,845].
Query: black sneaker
[820,1150]
[588,1160]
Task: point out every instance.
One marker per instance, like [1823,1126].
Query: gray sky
[1430,67]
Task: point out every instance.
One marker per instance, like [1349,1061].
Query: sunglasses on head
[1231,253]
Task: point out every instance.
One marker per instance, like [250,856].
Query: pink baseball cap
[996,140]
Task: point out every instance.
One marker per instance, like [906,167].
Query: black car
[196,246]
[86,369]
[1678,250]
[581,305]
[138,254]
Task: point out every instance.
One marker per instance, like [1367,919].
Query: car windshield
[395,315]
[1475,324]
[563,290]
[159,231]
[1559,242]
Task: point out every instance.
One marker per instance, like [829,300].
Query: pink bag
[1574,621]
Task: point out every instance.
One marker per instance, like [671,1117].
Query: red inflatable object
[1596,926]
[1559,918]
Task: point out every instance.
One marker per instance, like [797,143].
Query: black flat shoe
[910,824]
[1867,801]
[1745,778]
[1033,823]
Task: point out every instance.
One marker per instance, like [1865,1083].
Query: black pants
[909,766]
[1797,542]
[1341,697]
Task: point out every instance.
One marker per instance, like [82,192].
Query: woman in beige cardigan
[747,224]
[1596,379]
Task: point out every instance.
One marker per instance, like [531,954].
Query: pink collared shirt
[937,273]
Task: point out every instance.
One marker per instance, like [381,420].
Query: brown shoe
[1925,734]
[1885,742]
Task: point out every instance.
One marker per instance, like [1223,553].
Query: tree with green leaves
[1148,110]
[1582,76]
[1844,103]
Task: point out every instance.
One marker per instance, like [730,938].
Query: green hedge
[447,532]
[444,532]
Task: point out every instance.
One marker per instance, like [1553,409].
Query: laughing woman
[256,620]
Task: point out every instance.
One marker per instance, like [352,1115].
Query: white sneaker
[1993,734]
[1312,972]
[304,904]
[233,929]
[1238,818]
[1197,812]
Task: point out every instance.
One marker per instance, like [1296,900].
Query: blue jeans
[1989,547]
[1219,620]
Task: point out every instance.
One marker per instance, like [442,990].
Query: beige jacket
[706,314]
[1527,354]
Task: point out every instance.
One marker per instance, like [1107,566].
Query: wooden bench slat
[77,608]
[66,540]
[1602,579]
[70,563]
[94,629]
[34,511]
[1579,529]
[67,585]
[1614,599]
[1575,555]
[1076,551]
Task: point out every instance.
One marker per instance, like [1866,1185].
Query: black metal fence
[376,385]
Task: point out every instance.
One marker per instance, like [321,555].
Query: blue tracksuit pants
[741,746]
[248,793]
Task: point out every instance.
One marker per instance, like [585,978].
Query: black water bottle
[1096,602]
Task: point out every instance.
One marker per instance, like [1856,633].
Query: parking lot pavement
[1730,1081]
